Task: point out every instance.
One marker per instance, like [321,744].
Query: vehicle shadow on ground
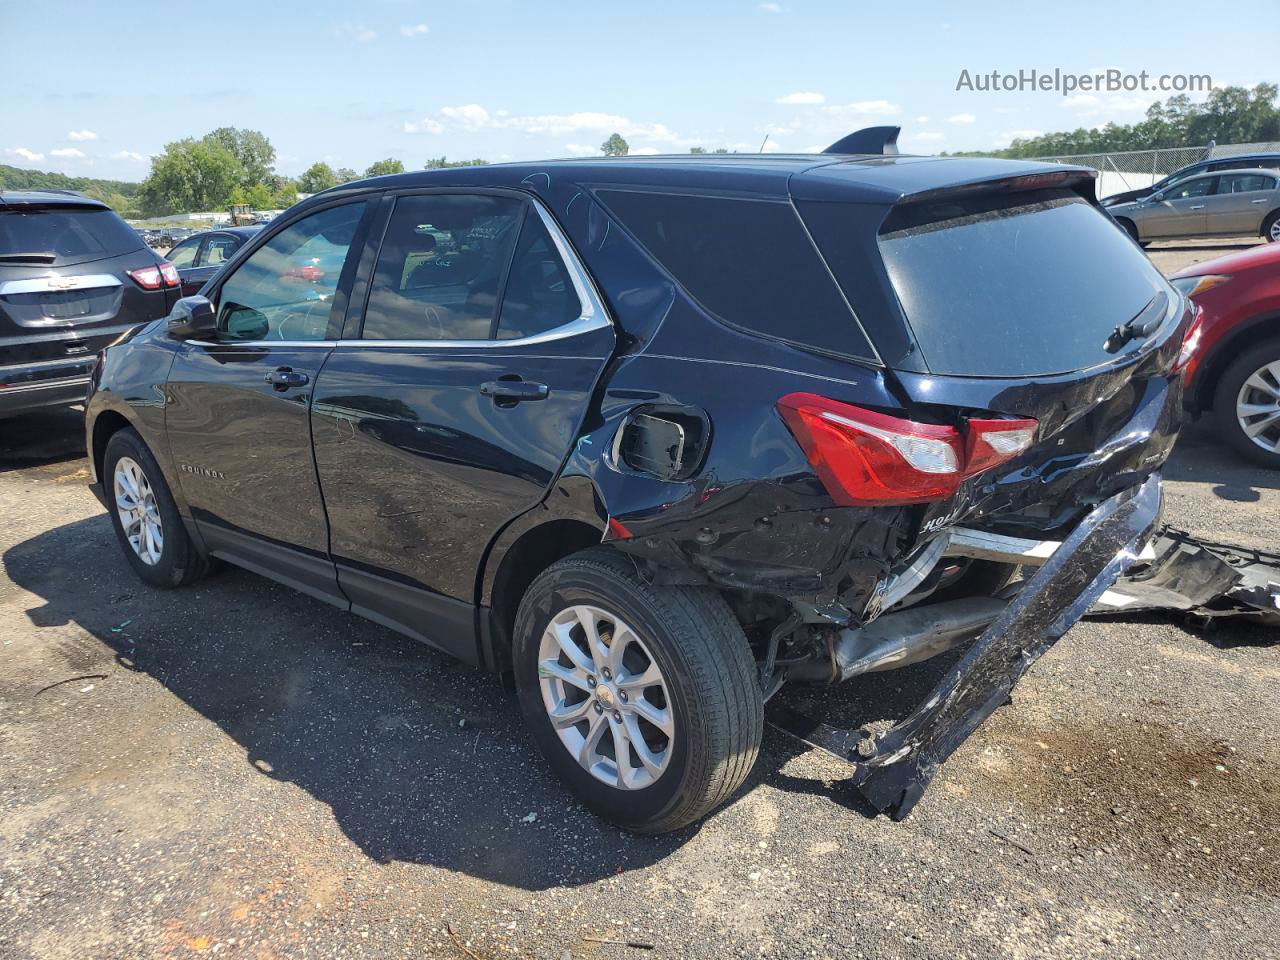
[421,759]
[1200,456]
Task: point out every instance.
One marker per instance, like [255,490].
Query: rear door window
[443,261]
[539,295]
[749,262]
[64,235]
[1015,287]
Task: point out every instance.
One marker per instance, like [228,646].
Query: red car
[1236,370]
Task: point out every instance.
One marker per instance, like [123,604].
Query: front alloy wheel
[139,513]
[606,698]
[1258,407]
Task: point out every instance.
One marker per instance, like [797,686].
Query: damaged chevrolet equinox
[658,435]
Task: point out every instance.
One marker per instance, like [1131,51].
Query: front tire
[1247,404]
[609,667]
[145,517]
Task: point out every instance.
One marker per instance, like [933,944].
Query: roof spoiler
[875,140]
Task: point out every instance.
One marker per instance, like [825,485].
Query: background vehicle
[659,434]
[73,278]
[1266,161]
[202,255]
[1236,369]
[1236,204]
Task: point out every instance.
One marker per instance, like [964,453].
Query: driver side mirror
[192,318]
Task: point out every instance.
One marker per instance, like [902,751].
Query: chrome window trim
[63,284]
[592,317]
[329,344]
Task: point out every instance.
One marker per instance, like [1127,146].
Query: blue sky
[94,88]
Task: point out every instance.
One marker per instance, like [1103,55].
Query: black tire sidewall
[1224,401]
[1267,225]
[176,554]
[572,586]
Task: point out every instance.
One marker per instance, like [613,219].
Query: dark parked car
[73,278]
[202,255]
[1236,368]
[1268,161]
[659,434]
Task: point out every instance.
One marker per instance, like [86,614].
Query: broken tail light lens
[868,458]
[1190,345]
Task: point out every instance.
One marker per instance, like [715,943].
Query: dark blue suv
[660,434]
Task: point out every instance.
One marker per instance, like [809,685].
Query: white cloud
[473,116]
[354,31]
[925,136]
[80,135]
[131,155]
[772,146]
[644,151]
[861,108]
[581,150]
[922,119]
[773,7]
[1078,100]
[1090,105]
[416,30]
[962,118]
[28,155]
[814,148]
[1009,136]
[67,153]
[803,97]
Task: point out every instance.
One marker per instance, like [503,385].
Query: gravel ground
[237,770]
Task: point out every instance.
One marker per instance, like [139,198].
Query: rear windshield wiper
[1147,322]
[28,257]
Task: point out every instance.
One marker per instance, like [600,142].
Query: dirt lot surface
[237,770]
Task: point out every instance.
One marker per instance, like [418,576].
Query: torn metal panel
[904,758]
[1200,577]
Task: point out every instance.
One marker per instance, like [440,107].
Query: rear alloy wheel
[1272,228]
[644,699]
[1247,403]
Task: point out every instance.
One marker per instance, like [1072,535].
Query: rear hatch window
[1028,285]
[62,236]
[748,261]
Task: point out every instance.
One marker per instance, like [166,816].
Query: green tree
[259,197]
[286,195]
[444,163]
[698,150]
[190,175]
[345,175]
[252,150]
[317,177]
[383,167]
[615,146]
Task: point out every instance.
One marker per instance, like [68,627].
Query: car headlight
[1191,286]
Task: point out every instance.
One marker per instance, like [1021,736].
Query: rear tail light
[868,458]
[1190,344]
[153,278]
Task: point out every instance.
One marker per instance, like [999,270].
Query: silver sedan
[1228,204]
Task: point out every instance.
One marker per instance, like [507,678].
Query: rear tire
[1271,229]
[1263,363]
[130,475]
[1132,230]
[710,701]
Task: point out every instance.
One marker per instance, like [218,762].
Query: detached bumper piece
[1200,577]
[894,769]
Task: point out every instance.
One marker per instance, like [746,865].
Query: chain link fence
[1134,169]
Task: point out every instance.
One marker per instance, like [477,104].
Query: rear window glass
[1030,289]
[60,236]
[749,262]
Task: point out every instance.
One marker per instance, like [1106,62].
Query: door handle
[282,378]
[1199,207]
[510,392]
[1262,200]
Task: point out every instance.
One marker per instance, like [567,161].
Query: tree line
[1227,115]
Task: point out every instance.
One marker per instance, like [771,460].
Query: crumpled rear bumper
[895,768]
